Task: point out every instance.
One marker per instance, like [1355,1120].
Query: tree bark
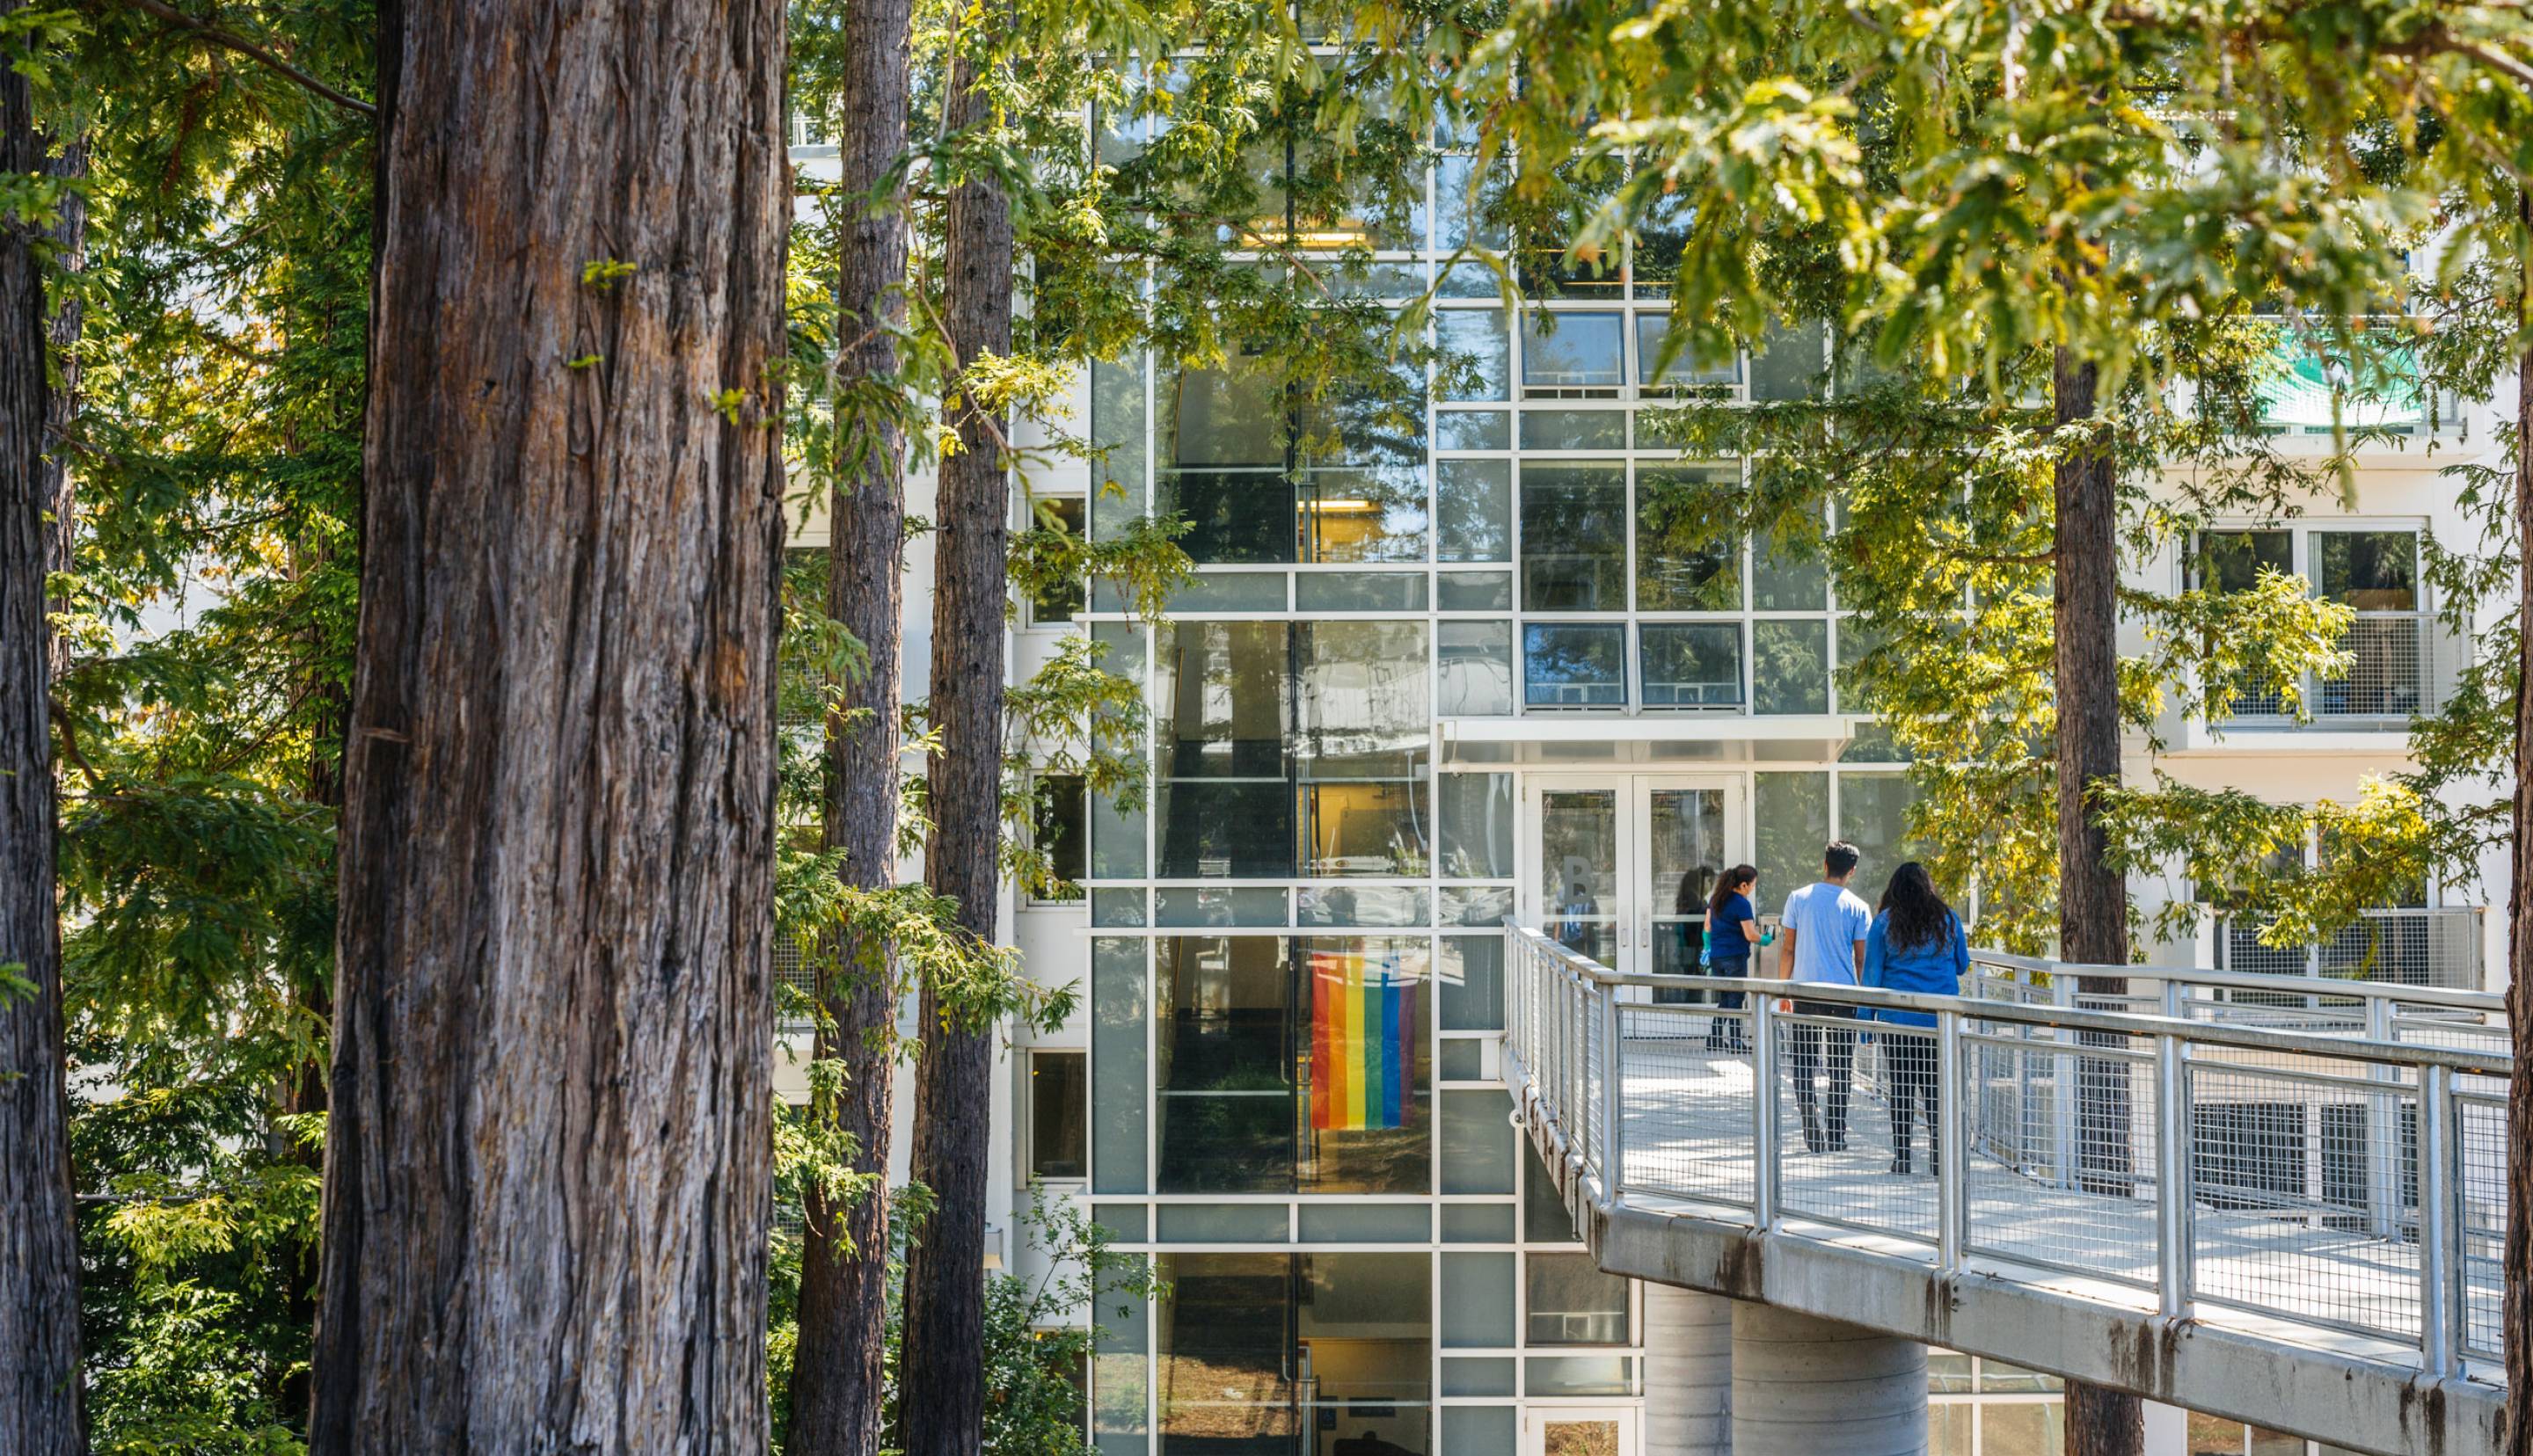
[547,1174]
[39,1313]
[837,1383]
[61,404]
[2093,899]
[941,1370]
[2518,1289]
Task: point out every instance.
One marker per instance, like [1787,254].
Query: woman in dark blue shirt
[1915,943]
[1731,929]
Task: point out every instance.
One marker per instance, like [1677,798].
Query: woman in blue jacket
[1915,943]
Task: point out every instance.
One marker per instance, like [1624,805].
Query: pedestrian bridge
[2272,1198]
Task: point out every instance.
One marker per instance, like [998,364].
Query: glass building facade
[1439,664]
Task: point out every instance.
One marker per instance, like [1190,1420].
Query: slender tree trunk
[2519,1295]
[941,1369]
[39,1315]
[547,1175]
[838,1386]
[2092,900]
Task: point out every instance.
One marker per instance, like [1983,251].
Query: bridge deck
[1687,1141]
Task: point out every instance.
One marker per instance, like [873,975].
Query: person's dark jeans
[1824,1109]
[1911,1058]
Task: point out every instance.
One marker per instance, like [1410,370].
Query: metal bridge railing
[2344,1179]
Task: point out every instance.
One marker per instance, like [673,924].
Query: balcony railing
[2283,1180]
[2399,947]
[2404,666]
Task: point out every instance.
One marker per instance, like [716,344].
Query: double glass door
[1620,866]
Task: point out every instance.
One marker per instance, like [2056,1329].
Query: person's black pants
[1910,1058]
[1816,1049]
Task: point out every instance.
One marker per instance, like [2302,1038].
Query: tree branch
[175,19]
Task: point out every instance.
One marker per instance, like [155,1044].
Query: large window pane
[1572,1303]
[1476,354]
[1116,832]
[1790,813]
[1473,984]
[1224,793]
[1783,581]
[1476,812]
[1232,515]
[1696,666]
[1473,509]
[1058,1145]
[1460,207]
[1571,350]
[1682,562]
[1060,830]
[1873,816]
[1571,666]
[1367,1341]
[1117,420]
[1653,332]
[2233,560]
[1545,1218]
[1225,1341]
[1120,1384]
[1225,1072]
[1476,1301]
[1789,666]
[1477,1141]
[1573,538]
[1363,514]
[1790,363]
[1473,666]
[1361,749]
[1367,1065]
[1121,1071]
[2370,570]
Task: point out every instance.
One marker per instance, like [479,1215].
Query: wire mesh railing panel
[2480,1135]
[2304,1195]
[2064,1151]
[1839,1156]
[2331,1144]
[2387,675]
[1687,1097]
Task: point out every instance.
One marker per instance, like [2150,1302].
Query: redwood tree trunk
[941,1371]
[547,1174]
[2519,1295]
[2092,900]
[39,1315]
[838,1385]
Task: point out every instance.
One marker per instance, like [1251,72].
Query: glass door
[1688,841]
[1576,872]
[1620,866]
[1580,1431]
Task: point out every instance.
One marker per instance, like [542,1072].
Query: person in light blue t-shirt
[1823,940]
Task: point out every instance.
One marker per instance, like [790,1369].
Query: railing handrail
[2253,980]
[1568,1055]
[2066,1017]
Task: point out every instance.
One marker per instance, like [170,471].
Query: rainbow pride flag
[1363,1042]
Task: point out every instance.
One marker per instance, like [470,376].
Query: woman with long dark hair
[1916,943]
[1731,929]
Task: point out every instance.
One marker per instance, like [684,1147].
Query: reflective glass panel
[1683,561]
[1567,665]
[1224,1077]
[1573,538]
[1692,666]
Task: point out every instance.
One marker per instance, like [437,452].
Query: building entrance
[1620,866]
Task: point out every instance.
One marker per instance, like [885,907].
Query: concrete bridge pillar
[1688,1373]
[1804,1387]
